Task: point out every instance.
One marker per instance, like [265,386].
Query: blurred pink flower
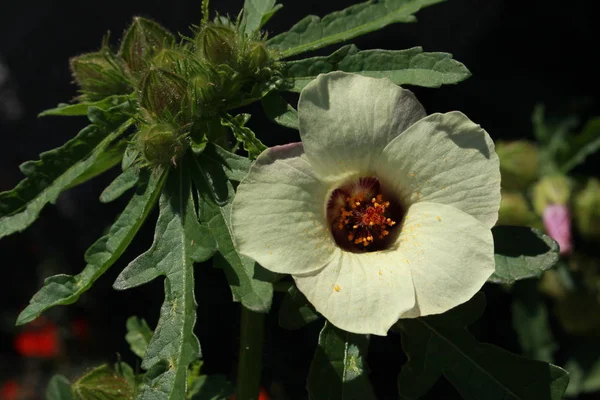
[557,221]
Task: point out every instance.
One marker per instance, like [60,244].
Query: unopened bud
[258,55]
[587,210]
[169,60]
[557,221]
[164,94]
[99,75]
[160,145]
[518,163]
[217,43]
[142,41]
[551,190]
[514,210]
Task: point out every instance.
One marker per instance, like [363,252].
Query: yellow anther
[337,288]
[439,218]
[355,227]
[357,203]
[371,223]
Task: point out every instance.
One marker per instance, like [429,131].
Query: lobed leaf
[179,240]
[441,345]
[59,388]
[138,335]
[339,369]
[521,252]
[403,67]
[235,167]
[66,289]
[257,13]
[295,310]
[312,32]
[215,194]
[279,111]
[102,383]
[122,183]
[56,171]
[244,134]
[70,110]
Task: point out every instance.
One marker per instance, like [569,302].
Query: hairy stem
[250,361]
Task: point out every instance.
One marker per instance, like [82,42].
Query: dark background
[519,52]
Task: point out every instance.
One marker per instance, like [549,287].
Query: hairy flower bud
[258,55]
[142,41]
[169,60]
[99,75]
[514,210]
[518,163]
[217,43]
[551,190]
[587,210]
[164,95]
[160,144]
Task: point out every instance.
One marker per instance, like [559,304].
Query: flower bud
[551,190]
[518,163]
[99,75]
[142,41]
[557,221]
[514,210]
[258,55]
[587,210]
[216,43]
[160,145]
[169,60]
[164,94]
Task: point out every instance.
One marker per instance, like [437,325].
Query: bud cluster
[183,87]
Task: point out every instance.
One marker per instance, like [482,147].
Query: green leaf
[521,252]
[244,134]
[279,111]
[215,194]
[530,321]
[211,387]
[257,13]
[138,335]
[582,145]
[339,368]
[403,67]
[66,289]
[179,240]
[583,365]
[78,109]
[441,345]
[236,167]
[55,171]
[312,33]
[295,310]
[102,383]
[122,183]
[59,388]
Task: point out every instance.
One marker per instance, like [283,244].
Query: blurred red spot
[43,342]
[80,329]
[9,390]
[262,395]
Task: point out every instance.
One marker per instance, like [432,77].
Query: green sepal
[66,289]
[403,67]
[165,95]
[295,310]
[339,368]
[249,282]
[441,345]
[179,241]
[142,40]
[56,171]
[138,335]
[312,32]
[102,383]
[521,252]
[279,111]
[244,134]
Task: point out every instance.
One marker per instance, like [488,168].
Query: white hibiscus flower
[381,212]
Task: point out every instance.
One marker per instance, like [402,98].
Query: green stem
[250,361]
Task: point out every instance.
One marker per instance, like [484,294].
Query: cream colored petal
[360,293]
[278,214]
[445,158]
[450,255]
[346,120]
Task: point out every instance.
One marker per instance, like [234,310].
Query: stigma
[361,217]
